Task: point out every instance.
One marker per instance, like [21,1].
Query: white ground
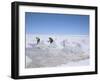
[65,51]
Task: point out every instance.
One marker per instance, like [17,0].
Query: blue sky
[46,23]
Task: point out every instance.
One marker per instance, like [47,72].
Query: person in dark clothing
[38,40]
[50,40]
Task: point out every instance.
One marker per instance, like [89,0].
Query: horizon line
[58,34]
